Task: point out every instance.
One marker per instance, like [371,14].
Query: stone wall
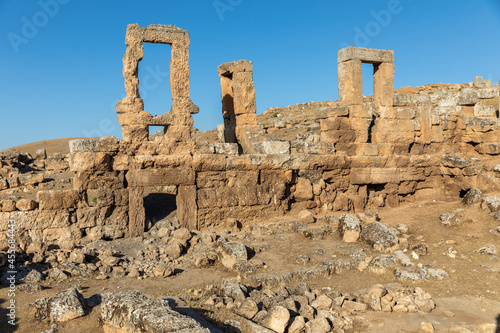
[345,155]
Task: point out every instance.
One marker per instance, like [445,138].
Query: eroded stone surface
[64,306]
[132,311]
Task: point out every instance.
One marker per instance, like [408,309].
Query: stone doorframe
[184,179]
[351,78]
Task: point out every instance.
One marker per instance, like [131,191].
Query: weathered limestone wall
[347,155]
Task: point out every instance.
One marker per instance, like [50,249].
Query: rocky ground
[428,266]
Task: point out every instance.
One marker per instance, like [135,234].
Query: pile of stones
[301,309]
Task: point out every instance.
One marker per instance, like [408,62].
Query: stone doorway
[160,207]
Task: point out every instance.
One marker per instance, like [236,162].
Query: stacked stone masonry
[345,155]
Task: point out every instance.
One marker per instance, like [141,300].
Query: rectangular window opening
[156,132]
[154,78]
[368,71]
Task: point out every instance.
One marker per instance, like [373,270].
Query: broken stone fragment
[247,308]
[354,306]
[77,256]
[132,311]
[174,249]
[303,190]
[472,196]
[403,258]
[8,205]
[277,319]
[33,276]
[57,274]
[306,216]
[420,274]
[162,270]
[490,249]
[64,306]
[349,228]
[30,288]
[297,325]
[322,302]
[231,253]
[302,259]
[233,290]
[182,234]
[379,264]
[491,203]
[26,204]
[379,236]
[318,325]
[41,154]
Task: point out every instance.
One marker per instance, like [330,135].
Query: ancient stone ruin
[345,155]
[134,120]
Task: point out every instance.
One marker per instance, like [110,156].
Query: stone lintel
[162,120]
[229,68]
[366,55]
[152,177]
[156,33]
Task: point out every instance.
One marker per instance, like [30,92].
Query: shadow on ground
[5,317]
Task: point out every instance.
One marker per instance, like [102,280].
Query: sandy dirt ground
[469,297]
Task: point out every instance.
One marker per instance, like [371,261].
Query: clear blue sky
[61,60]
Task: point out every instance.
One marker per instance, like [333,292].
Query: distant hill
[52,146]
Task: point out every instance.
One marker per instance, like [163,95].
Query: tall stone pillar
[350,82]
[136,214]
[383,84]
[239,109]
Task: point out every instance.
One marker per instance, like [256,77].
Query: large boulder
[66,305]
[133,312]
[379,236]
